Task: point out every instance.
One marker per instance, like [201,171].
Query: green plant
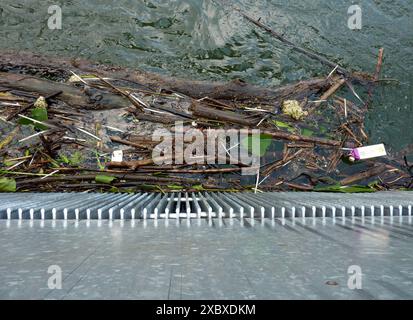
[39,114]
[262,140]
[7,185]
[100,178]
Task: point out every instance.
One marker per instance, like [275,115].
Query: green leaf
[198,187]
[63,158]
[175,187]
[307,132]
[88,76]
[24,121]
[100,178]
[9,163]
[76,159]
[99,163]
[39,114]
[322,129]
[7,185]
[264,141]
[285,125]
[344,189]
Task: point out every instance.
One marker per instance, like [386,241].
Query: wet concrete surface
[207,259]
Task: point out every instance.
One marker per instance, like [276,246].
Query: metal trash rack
[181,205]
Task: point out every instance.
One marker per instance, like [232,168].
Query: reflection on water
[200,39]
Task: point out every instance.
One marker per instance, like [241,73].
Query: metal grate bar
[179,205]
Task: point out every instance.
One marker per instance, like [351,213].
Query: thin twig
[89,134]
[33,135]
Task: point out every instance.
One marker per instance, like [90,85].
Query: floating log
[375,171]
[202,111]
[130,143]
[69,94]
[92,177]
[235,90]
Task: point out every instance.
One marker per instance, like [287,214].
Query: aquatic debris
[293,109]
[310,150]
[368,152]
[117,156]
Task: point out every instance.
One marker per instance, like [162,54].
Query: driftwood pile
[64,142]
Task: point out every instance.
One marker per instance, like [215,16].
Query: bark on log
[375,171]
[331,90]
[297,186]
[202,111]
[92,177]
[70,94]
[130,143]
[235,90]
[153,118]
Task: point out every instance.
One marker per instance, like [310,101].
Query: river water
[201,39]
